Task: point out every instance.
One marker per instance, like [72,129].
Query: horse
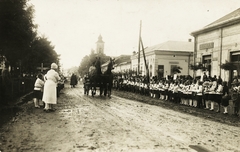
[95,75]
[107,78]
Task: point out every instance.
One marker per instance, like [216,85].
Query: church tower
[100,45]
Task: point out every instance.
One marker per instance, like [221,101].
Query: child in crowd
[199,95]
[219,95]
[212,94]
[38,90]
[193,87]
[235,97]
[225,97]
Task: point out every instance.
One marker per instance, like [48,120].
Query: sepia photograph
[119,76]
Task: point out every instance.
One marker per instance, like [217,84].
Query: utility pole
[41,67]
[139,49]
[140,44]
[146,66]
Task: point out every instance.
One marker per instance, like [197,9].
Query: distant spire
[100,45]
[100,39]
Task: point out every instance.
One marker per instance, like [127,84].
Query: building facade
[163,57]
[217,44]
[122,67]
[122,64]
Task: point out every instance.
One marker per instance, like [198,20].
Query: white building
[218,43]
[163,57]
[122,64]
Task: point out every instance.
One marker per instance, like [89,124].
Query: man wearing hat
[50,88]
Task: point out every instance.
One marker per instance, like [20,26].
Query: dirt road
[84,123]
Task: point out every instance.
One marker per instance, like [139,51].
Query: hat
[54,66]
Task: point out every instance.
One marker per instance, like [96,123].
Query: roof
[223,21]
[124,63]
[172,46]
[123,58]
[120,59]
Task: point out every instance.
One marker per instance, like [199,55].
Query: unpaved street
[84,123]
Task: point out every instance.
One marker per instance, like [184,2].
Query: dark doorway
[207,64]
[235,59]
[160,71]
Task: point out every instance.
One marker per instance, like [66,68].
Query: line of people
[187,91]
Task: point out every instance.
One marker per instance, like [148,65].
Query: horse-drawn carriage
[95,79]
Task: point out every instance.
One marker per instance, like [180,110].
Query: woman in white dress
[50,88]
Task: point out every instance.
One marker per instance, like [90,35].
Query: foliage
[176,69]
[42,52]
[18,37]
[228,66]
[16,29]
[72,70]
[88,61]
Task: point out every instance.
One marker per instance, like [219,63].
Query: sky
[73,26]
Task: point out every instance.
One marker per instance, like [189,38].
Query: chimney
[189,40]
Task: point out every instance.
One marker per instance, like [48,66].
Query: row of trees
[19,41]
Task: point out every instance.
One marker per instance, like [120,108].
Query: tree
[17,30]
[84,65]
[18,38]
[88,61]
[228,66]
[42,52]
[176,69]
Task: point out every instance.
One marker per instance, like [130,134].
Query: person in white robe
[50,88]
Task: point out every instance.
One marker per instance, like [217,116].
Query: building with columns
[218,43]
[161,58]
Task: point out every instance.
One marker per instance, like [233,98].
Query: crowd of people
[202,92]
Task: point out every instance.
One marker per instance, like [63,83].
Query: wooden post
[194,55]
[139,45]
[41,67]
[146,66]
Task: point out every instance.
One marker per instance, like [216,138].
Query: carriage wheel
[87,91]
[109,94]
[84,91]
[93,92]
